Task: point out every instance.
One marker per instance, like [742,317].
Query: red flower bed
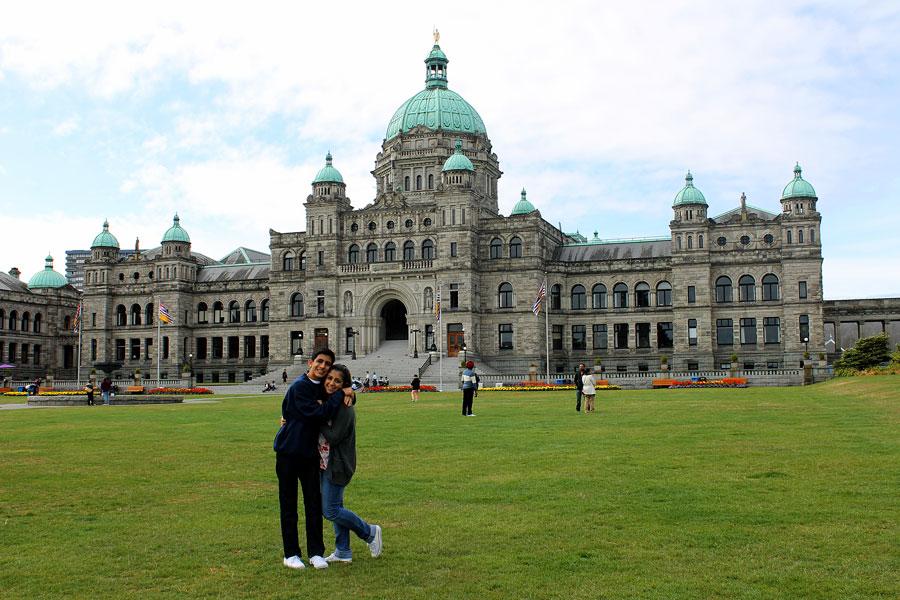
[170,390]
[725,382]
[400,388]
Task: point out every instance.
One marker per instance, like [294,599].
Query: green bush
[868,352]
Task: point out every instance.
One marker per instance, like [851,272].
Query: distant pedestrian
[89,390]
[468,389]
[284,376]
[589,391]
[365,381]
[414,388]
[579,387]
[105,389]
[373,381]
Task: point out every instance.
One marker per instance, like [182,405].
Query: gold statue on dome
[437,35]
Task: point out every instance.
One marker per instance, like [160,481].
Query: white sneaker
[294,562]
[318,562]
[335,558]
[375,545]
[470,415]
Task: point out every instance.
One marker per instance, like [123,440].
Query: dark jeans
[578,395]
[289,469]
[468,394]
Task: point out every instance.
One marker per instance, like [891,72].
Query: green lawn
[747,493]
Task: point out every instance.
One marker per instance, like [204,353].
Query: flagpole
[80,339]
[547,328]
[158,342]
[441,337]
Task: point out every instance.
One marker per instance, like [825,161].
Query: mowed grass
[755,493]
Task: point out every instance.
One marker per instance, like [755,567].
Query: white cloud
[66,127]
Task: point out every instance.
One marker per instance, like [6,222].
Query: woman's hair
[345,373]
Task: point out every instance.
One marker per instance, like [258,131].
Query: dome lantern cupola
[798,187]
[176,232]
[436,65]
[523,206]
[328,181]
[48,278]
[458,169]
[689,194]
[105,239]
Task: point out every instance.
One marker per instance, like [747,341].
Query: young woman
[414,388]
[337,448]
[588,391]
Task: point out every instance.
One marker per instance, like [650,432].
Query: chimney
[15,272]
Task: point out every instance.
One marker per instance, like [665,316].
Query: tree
[867,352]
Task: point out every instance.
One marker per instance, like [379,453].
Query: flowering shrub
[528,388]
[725,382]
[171,390]
[14,394]
[49,393]
[400,388]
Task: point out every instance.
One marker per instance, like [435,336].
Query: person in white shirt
[588,391]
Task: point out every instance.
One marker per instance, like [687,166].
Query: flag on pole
[437,305]
[77,322]
[542,293]
[164,315]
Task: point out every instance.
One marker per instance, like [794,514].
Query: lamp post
[415,333]
[191,369]
[353,334]
[806,345]
[464,352]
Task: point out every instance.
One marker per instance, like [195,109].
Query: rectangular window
[454,295]
[804,328]
[802,290]
[148,347]
[692,294]
[453,216]
[557,337]
[135,344]
[249,346]
[218,347]
[748,331]
[296,342]
[37,354]
[320,258]
[201,348]
[749,366]
[463,216]
[320,302]
[120,350]
[724,332]
[452,248]
[24,359]
[789,238]
[93,319]
[665,337]
[505,335]
[692,332]
[165,348]
[620,333]
[772,330]
[772,364]
[444,217]
[264,346]
[600,337]
[12,351]
[579,337]
[94,350]
[693,365]
[642,335]
[234,346]
[429,336]
[621,368]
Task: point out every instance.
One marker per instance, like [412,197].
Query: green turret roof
[689,194]
[798,187]
[328,174]
[176,233]
[48,278]
[458,161]
[105,239]
[436,107]
[523,206]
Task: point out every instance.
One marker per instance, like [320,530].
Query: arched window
[14,319]
[418,182]
[700,241]
[372,253]
[409,250]
[642,295]
[302,261]
[218,312]
[428,299]
[287,262]
[428,249]
[26,321]
[353,254]
[515,248]
[121,316]
[201,313]
[723,289]
[37,322]
[620,295]
[297,305]
[747,289]
[770,287]
[578,297]
[430,182]
[148,313]
[496,248]
[556,297]
[264,311]
[598,296]
[250,311]
[812,236]
[406,183]
[690,242]
[664,293]
[234,312]
[135,314]
[2,318]
[390,252]
[505,295]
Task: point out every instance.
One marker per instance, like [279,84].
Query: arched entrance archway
[393,314]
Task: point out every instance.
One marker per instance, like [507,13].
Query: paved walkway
[189,401]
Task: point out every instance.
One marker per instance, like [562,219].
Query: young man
[297,458]
[579,387]
[468,389]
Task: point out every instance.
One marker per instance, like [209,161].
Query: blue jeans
[344,521]
[105,397]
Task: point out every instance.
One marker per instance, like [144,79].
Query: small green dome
[105,239]
[436,107]
[458,161]
[328,174]
[176,233]
[689,194]
[523,206]
[798,187]
[48,278]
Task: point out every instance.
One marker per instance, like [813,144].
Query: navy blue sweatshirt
[304,416]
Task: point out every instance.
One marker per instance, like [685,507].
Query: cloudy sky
[224,115]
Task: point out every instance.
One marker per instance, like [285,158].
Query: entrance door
[321,339]
[394,315]
[456,337]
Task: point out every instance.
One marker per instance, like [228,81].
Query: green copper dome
[458,161]
[798,187]
[176,233]
[48,278]
[523,206]
[105,239]
[689,194]
[328,174]
[436,107]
